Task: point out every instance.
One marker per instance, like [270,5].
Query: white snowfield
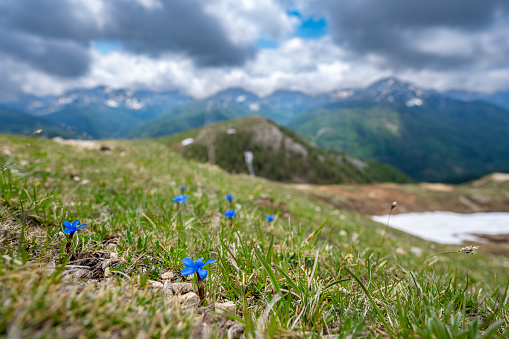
[448,227]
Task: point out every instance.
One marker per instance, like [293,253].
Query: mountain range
[429,135]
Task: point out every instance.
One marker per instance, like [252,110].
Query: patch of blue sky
[107,46]
[266,43]
[311,27]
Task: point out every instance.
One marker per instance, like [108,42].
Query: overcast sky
[202,46]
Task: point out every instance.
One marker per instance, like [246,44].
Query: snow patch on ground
[414,102]
[448,227]
[187,141]
[255,106]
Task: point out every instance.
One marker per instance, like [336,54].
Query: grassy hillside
[96,121]
[15,122]
[201,113]
[313,271]
[187,117]
[442,140]
[279,154]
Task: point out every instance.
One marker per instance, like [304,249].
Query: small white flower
[469,249]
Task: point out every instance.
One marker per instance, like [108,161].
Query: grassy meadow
[314,271]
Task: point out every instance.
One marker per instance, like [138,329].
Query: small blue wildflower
[230,214]
[270,218]
[192,267]
[71,228]
[229,197]
[182,189]
[180,198]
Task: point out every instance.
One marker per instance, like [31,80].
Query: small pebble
[190,299]
[182,288]
[228,306]
[167,276]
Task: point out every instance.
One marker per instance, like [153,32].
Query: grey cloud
[391,29]
[179,25]
[60,57]
[8,88]
[55,19]
[54,35]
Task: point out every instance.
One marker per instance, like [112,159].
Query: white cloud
[247,20]
[311,66]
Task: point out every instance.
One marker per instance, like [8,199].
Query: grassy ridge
[15,122]
[287,278]
[279,154]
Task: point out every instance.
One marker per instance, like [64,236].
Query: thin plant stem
[201,287]
[69,241]
[393,205]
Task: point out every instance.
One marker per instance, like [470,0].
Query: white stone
[226,306]
[167,288]
[190,299]
[156,284]
[167,276]
[182,288]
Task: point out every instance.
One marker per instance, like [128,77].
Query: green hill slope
[187,117]
[14,122]
[96,121]
[279,154]
[201,113]
[441,140]
[313,271]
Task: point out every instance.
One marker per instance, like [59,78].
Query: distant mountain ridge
[140,107]
[430,135]
[145,102]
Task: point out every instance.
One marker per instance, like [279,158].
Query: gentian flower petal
[80,227]
[188,262]
[75,223]
[67,224]
[199,263]
[210,261]
[202,273]
[188,271]
[67,230]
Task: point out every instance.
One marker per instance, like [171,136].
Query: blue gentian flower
[230,214]
[229,197]
[192,267]
[71,228]
[180,198]
[270,218]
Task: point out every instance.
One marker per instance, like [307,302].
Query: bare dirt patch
[376,199]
